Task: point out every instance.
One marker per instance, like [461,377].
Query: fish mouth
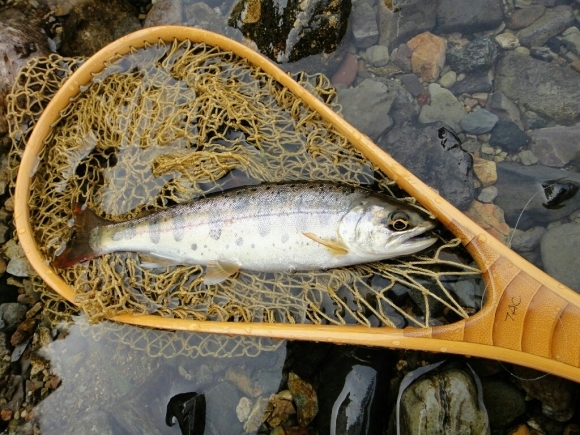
[418,240]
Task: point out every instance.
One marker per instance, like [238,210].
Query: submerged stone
[550,24]
[475,15]
[401,20]
[476,57]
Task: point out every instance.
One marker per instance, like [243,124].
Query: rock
[420,149]
[550,24]
[443,107]
[558,395]
[378,55]
[479,122]
[475,15]
[504,403]
[557,245]
[575,65]
[504,108]
[508,136]
[488,194]
[412,84]
[527,157]
[428,56]
[20,41]
[364,25]
[352,391]
[571,40]
[448,79]
[309,35]
[444,402]
[255,418]
[372,99]
[404,108]
[11,314]
[165,13]
[399,21]
[543,53]
[485,171]
[476,57]
[535,121]
[402,57]
[204,17]
[524,17]
[556,146]
[92,25]
[221,402]
[522,196]
[491,218]
[279,408]
[527,240]
[507,41]
[5,353]
[346,72]
[472,84]
[305,399]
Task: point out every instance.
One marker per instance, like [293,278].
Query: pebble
[428,56]
[507,41]
[485,171]
[487,195]
[378,55]
[479,122]
[575,65]
[443,107]
[346,72]
[365,29]
[448,79]
[412,84]
[527,157]
[401,57]
[476,57]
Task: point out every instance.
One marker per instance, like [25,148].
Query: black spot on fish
[194,247]
[285,238]
[215,232]
[178,227]
[239,241]
[154,231]
[253,246]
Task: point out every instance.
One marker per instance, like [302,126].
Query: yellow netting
[170,122]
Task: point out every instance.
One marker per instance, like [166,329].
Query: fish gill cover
[171,122]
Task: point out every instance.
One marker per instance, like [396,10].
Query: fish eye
[399,221]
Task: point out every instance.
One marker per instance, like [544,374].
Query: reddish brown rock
[428,56]
[346,72]
[305,399]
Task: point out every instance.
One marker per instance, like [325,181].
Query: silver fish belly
[270,227]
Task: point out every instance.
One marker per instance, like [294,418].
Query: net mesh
[170,122]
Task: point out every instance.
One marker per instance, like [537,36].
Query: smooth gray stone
[504,108]
[443,107]
[553,22]
[474,15]
[412,84]
[559,254]
[556,146]
[507,135]
[479,122]
[364,25]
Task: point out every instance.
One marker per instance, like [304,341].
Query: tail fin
[78,248]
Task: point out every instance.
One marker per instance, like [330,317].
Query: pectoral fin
[156,262]
[337,248]
[217,272]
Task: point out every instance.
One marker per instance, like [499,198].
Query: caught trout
[270,227]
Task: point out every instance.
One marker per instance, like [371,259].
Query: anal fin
[337,248]
[217,272]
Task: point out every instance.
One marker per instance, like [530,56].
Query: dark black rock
[508,136]
[305,358]
[504,402]
[295,30]
[445,167]
[554,44]
[476,57]
[189,411]
[352,391]
[468,15]
[550,91]
[412,84]
[522,197]
[472,84]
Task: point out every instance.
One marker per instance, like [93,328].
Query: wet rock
[479,122]
[404,108]
[11,314]
[472,84]
[92,25]
[256,417]
[221,402]
[476,57]
[448,79]
[428,56]
[352,390]
[527,240]
[558,395]
[507,41]
[571,39]
[508,136]
[279,408]
[550,24]
[165,13]
[364,25]
[412,84]
[557,245]
[504,108]
[521,193]
[443,107]
[377,55]
[18,264]
[5,355]
[524,17]
[444,402]
[203,16]
[543,53]
[485,171]
[447,169]
[309,35]
[23,331]
[548,90]
[372,99]
[556,146]
[527,157]
[403,19]
[402,57]
[491,218]
[20,40]
[504,403]
[487,195]
[346,72]
[475,15]
[305,399]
